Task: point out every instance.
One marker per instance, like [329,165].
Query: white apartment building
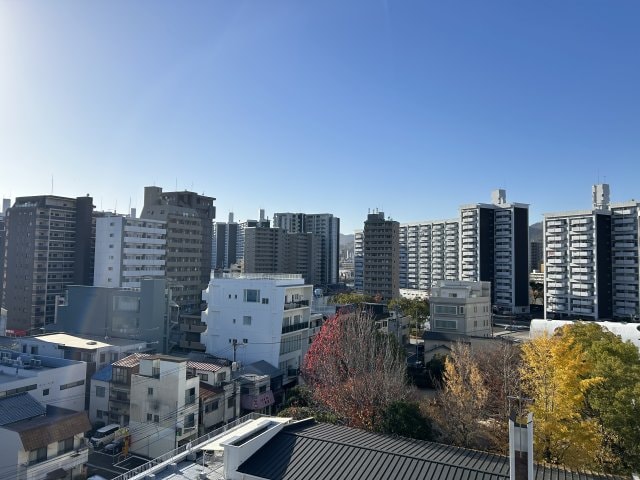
[164,405]
[51,381]
[494,247]
[252,317]
[129,249]
[428,253]
[358,260]
[591,261]
[462,308]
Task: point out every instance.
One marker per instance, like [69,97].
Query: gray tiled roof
[308,450]
[19,407]
[261,367]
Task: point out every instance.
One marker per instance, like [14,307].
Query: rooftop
[85,342]
[19,407]
[300,451]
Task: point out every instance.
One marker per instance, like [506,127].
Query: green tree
[614,401]
[406,420]
[351,298]
[417,309]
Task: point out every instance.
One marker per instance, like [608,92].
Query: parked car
[114,447]
[104,435]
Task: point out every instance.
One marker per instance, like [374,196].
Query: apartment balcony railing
[295,327]
[297,304]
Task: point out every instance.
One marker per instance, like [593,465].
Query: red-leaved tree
[355,371]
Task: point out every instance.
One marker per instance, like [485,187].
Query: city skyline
[413,109]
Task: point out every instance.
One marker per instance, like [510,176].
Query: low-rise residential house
[217,406]
[41,442]
[164,405]
[255,393]
[99,394]
[261,316]
[51,381]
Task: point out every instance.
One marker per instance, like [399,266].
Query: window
[34,350]
[149,417]
[45,392]
[149,391]
[222,376]
[190,421]
[447,324]
[265,301]
[103,357]
[100,391]
[446,309]
[212,406]
[204,377]
[71,385]
[230,402]
[65,445]
[38,455]
[461,310]
[246,320]
[156,418]
[262,389]
[251,295]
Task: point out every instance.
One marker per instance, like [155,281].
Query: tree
[459,406]
[555,375]
[355,371]
[352,298]
[417,309]
[406,420]
[537,291]
[614,401]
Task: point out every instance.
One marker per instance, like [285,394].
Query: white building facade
[591,261]
[461,307]
[51,381]
[164,405]
[127,250]
[494,247]
[252,317]
[428,253]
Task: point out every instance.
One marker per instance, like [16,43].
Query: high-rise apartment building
[381,256]
[189,223]
[273,250]
[428,253]
[261,223]
[6,204]
[591,261]
[327,228]
[49,245]
[358,260]
[225,244]
[127,250]
[494,247]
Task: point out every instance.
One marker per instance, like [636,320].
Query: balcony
[298,304]
[295,327]
[193,327]
[66,461]
[193,345]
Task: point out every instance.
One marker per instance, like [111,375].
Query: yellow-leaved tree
[555,375]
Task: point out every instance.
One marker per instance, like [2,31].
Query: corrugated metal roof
[19,407]
[207,367]
[132,360]
[307,451]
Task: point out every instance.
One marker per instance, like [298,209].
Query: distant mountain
[535,232]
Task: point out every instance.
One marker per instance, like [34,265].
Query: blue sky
[413,107]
